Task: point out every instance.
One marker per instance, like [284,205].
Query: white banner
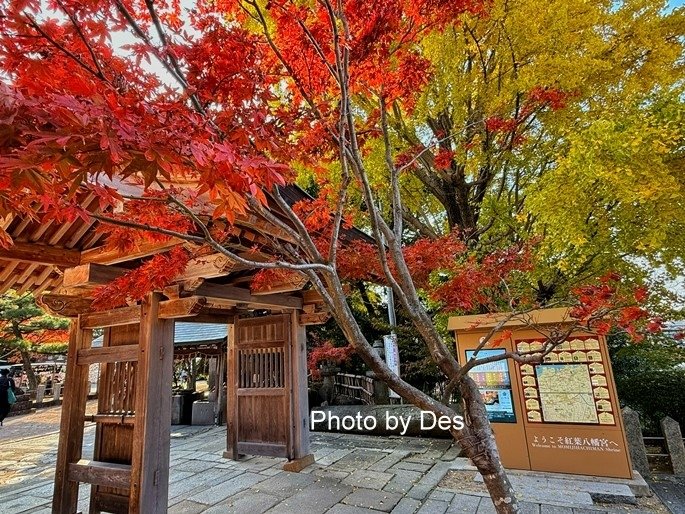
[392,357]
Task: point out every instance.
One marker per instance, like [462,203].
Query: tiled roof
[189,333]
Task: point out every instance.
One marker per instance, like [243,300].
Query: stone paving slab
[671,491]
[316,498]
[247,501]
[368,479]
[369,499]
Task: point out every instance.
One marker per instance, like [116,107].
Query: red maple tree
[241,93]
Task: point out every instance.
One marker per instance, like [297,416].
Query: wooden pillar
[231,397]
[302,456]
[151,435]
[70,446]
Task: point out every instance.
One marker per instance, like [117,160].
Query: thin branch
[32,22]
[77,26]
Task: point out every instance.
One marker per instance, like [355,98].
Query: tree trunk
[477,438]
[26,363]
[481,448]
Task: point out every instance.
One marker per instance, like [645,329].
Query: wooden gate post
[152,430]
[70,446]
[302,457]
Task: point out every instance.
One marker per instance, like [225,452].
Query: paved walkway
[671,491]
[352,475]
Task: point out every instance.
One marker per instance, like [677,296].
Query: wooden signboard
[561,415]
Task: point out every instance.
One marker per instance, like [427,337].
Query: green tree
[25,329]
[560,121]
[649,376]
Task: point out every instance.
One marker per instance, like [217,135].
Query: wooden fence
[358,387]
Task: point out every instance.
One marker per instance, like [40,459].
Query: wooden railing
[355,386]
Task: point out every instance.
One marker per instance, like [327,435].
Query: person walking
[6,384]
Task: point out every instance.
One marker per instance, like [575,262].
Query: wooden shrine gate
[267,396]
[129,473]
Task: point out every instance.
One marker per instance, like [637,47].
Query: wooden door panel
[262,393]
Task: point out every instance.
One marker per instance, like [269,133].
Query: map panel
[566,393]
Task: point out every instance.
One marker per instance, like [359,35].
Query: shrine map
[566,393]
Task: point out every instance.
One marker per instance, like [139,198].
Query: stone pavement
[353,474]
[671,490]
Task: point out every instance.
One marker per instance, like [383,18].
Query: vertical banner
[392,357]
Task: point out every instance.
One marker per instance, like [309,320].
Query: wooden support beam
[103,255]
[152,430]
[106,474]
[64,305]
[294,281]
[123,353]
[231,395]
[111,318]
[208,266]
[181,307]
[314,318]
[111,419]
[299,403]
[35,253]
[70,446]
[240,296]
[90,275]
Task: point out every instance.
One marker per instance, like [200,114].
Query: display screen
[494,384]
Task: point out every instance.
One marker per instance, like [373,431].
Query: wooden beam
[64,305]
[104,255]
[294,281]
[208,266]
[212,316]
[181,307]
[241,295]
[299,403]
[106,474]
[111,318]
[90,275]
[315,318]
[35,253]
[112,419]
[122,353]
[231,395]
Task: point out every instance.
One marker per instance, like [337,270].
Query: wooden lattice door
[260,410]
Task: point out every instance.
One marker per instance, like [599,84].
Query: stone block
[636,444]
[674,443]
[40,394]
[203,413]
